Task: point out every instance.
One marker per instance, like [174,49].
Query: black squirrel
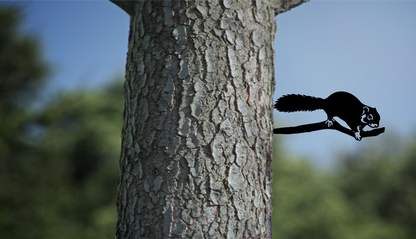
[341,104]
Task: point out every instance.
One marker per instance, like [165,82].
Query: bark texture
[197,135]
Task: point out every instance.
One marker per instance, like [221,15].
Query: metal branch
[322,125]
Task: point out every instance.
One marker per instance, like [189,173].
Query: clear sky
[367,48]
[85,41]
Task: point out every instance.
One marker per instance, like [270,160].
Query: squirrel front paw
[357,136]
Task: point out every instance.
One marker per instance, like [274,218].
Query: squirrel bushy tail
[294,102]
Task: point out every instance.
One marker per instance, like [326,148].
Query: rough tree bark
[196,142]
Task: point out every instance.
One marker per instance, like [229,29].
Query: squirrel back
[295,102]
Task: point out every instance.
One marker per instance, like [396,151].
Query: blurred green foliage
[59,167]
[63,183]
[22,68]
[370,195]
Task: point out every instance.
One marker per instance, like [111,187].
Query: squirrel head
[370,117]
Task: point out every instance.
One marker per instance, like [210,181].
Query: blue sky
[85,41]
[367,48]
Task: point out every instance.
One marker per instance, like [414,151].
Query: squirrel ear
[366,109]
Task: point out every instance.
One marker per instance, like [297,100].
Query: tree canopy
[58,166]
[370,195]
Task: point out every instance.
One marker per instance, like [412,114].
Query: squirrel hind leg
[329,122]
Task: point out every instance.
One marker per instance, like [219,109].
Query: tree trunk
[197,135]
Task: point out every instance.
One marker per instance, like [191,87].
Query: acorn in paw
[340,104]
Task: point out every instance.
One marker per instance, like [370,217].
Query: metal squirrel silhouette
[339,104]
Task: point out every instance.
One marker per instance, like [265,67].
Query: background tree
[370,195]
[63,183]
[58,166]
[21,73]
[380,185]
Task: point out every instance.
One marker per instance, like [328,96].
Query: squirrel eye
[370,117]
